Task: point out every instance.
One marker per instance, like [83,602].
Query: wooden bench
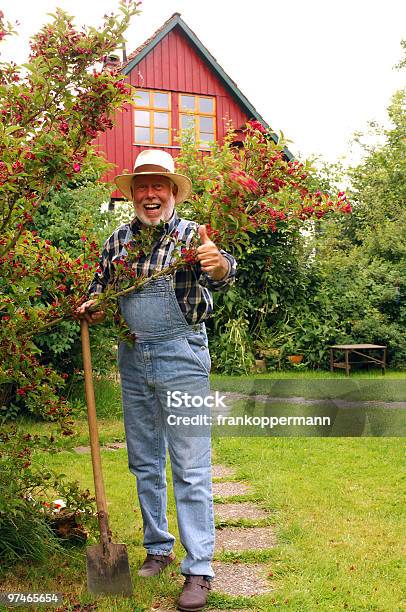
[361,350]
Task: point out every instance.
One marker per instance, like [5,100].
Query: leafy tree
[360,264]
[378,183]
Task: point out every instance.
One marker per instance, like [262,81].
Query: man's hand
[91,317]
[210,258]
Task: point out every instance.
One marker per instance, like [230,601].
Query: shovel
[108,570]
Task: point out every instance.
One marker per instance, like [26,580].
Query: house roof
[176,21]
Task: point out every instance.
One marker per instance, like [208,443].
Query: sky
[317,70]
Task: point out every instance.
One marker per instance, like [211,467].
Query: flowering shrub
[238,191]
[75,220]
[51,109]
[40,287]
[255,202]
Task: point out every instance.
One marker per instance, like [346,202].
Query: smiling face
[153,198]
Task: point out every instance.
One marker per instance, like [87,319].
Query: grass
[298,372]
[110,430]
[366,386]
[339,509]
[337,506]
[304,383]
[256,418]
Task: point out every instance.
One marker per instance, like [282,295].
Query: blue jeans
[168,355]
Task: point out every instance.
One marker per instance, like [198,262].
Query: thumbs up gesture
[210,258]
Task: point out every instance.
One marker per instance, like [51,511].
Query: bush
[51,110]
[255,203]
[26,493]
[73,217]
[230,349]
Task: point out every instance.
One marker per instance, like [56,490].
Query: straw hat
[155,161]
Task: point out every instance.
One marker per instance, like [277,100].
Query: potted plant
[293,353]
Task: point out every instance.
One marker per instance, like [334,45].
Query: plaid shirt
[192,286]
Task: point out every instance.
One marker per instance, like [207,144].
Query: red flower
[76,167]
[213,234]
[17,167]
[63,127]
[189,255]
[256,125]
[278,183]
[121,86]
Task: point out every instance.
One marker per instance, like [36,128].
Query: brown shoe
[194,595]
[154,564]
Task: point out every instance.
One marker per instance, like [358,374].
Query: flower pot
[295,359]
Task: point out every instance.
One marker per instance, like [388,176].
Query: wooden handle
[94,436]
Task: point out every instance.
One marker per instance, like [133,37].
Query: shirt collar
[172,223]
[169,226]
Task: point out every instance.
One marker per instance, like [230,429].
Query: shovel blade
[108,570]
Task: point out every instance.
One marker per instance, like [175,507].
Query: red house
[180,85]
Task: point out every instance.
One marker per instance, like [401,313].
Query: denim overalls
[168,355]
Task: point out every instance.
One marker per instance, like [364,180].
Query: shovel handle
[94,436]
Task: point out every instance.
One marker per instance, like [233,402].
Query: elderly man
[169,354]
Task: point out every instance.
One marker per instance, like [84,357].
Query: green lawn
[361,386]
[337,505]
[339,510]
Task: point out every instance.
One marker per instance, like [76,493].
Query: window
[152,117]
[198,112]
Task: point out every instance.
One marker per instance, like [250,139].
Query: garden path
[236,578]
[241,526]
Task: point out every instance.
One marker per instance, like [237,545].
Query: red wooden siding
[173,65]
